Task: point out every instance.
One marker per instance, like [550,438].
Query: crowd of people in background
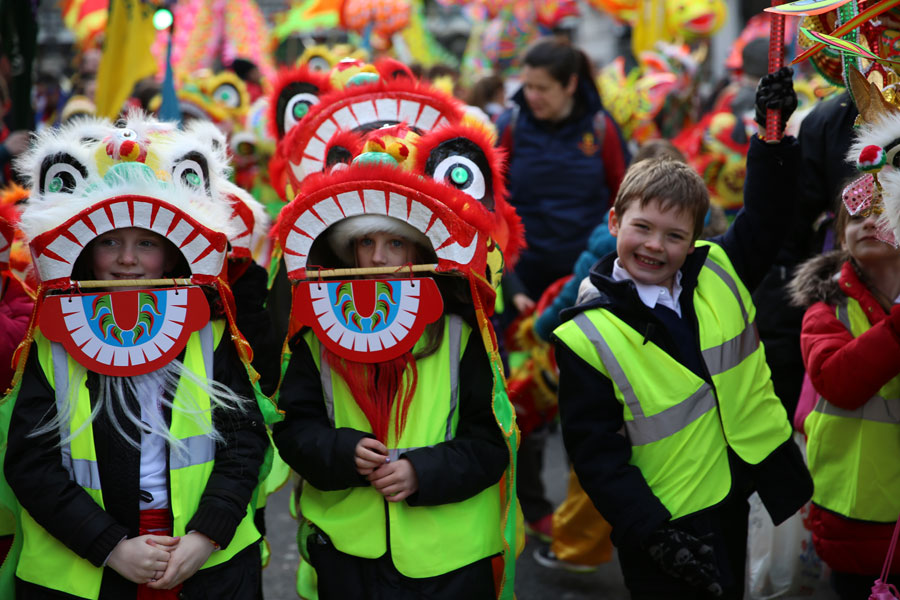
[703,314]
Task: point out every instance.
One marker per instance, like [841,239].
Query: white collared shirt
[651,294]
[154,469]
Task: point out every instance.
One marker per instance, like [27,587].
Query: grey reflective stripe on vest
[843,315]
[647,429]
[732,352]
[455,332]
[612,365]
[199,449]
[395,453]
[82,471]
[731,283]
[455,327]
[877,409]
[325,377]
[208,347]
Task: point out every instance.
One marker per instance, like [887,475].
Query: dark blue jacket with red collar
[562,177]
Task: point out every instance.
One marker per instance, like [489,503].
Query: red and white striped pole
[776,61]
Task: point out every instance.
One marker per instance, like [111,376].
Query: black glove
[682,556]
[776,90]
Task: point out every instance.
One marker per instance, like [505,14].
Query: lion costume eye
[297,108]
[892,153]
[461,163]
[61,174]
[228,95]
[192,171]
[463,174]
[319,63]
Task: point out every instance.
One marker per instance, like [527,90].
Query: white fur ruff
[99,177]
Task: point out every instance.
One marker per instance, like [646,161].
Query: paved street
[533,582]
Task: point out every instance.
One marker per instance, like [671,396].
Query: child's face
[384,250]
[131,253]
[652,243]
[861,242]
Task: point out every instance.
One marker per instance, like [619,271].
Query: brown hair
[658,149]
[842,215]
[841,219]
[671,183]
[484,90]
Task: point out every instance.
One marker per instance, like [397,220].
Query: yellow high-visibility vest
[852,453]
[46,561]
[680,426]
[425,540]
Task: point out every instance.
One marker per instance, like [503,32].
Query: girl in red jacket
[851,349]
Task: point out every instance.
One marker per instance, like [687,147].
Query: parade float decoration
[86,19]
[323,58]
[656,98]
[398,149]
[837,35]
[672,21]
[307,17]
[502,29]
[376,21]
[208,33]
[218,97]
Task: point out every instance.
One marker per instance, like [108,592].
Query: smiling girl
[851,349]
[131,424]
[132,253]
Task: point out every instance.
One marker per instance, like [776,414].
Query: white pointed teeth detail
[241,240]
[195,243]
[358,114]
[311,223]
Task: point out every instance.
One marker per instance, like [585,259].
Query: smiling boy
[666,401]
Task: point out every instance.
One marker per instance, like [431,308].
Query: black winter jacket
[825,136]
[447,472]
[592,418]
[42,486]
[254,321]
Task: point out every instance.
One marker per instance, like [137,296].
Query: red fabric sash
[156,522]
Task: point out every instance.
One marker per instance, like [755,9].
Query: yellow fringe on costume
[580,533]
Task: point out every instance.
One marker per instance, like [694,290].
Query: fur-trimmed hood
[817,280]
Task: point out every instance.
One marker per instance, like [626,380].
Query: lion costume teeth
[93,176]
